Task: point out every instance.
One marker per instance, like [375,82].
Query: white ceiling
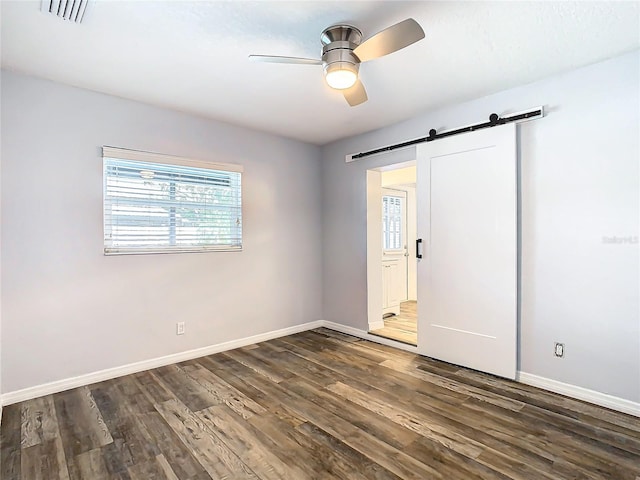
[192,56]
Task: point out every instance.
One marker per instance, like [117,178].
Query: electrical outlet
[180,328]
[559,350]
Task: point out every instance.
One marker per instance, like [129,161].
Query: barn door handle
[418,243]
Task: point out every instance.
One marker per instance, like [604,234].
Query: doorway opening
[391,256]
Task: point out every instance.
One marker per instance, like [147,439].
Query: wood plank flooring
[316,405]
[403,327]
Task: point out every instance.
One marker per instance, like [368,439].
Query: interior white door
[467,277]
[391,287]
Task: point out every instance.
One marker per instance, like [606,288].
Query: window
[391,222]
[160,204]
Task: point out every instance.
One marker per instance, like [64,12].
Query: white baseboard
[573,391]
[580,393]
[591,396]
[356,332]
[107,374]
[378,324]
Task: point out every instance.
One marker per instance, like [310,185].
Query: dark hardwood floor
[316,405]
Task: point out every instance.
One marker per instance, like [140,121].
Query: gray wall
[579,184]
[68,310]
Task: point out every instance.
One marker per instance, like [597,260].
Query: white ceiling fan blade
[356,94]
[390,40]
[278,59]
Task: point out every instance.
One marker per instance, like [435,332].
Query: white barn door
[467,277]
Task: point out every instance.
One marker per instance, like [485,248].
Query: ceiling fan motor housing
[338,43]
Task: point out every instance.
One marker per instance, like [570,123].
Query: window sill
[108,252]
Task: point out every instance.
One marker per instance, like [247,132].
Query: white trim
[116,251]
[151,157]
[356,332]
[375,325]
[573,391]
[375,280]
[109,373]
[580,393]
[591,396]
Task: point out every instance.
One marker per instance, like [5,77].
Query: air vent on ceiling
[72,10]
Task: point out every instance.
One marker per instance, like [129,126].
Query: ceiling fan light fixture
[341,75]
[343,51]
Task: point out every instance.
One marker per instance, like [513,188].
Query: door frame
[374,242]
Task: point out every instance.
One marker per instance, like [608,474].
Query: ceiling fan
[343,51]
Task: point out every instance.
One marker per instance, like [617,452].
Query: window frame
[387,233]
[115,153]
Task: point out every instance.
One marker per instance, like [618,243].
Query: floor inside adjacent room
[402,327]
[318,404]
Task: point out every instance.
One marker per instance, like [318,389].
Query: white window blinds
[161,204]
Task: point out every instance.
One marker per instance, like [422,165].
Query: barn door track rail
[494,120]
